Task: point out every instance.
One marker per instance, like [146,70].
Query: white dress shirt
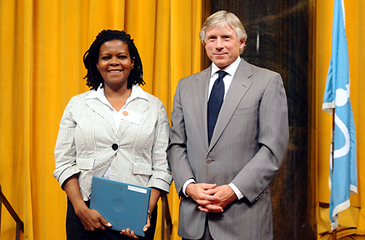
[230,70]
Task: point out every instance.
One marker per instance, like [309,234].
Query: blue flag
[336,100]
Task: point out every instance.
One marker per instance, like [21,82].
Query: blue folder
[123,205]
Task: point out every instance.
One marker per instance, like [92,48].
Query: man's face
[222,45]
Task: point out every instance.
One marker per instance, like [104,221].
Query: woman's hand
[148,225]
[91,219]
[155,195]
[131,233]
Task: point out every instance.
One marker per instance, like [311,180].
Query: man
[222,170]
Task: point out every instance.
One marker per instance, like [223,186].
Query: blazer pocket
[84,163]
[246,110]
[142,169]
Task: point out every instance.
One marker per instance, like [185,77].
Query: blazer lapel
[98,108]
[137,107]
[200,91]
[240,84]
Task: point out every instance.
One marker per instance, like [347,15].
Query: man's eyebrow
[227,35]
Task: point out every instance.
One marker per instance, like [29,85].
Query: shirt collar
[137,92]
[230,69]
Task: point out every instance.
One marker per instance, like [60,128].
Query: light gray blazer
[247,148]
[85,143]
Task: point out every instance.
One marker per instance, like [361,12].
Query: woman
[115,131]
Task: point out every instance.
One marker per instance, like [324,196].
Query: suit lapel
[240,84]
[200,91]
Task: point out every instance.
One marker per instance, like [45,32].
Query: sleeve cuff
[236,191]
[160,180]
[186,184]
[66,174]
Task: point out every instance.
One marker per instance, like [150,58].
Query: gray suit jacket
[247,148]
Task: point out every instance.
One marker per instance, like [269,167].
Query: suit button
[115,146]
[209,160]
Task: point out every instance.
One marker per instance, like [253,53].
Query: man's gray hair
[223,19]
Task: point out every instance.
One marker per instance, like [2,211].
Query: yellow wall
[41,47]
[355,23]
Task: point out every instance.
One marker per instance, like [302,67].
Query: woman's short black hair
[91,56]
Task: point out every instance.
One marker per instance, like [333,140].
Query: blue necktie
[215,103]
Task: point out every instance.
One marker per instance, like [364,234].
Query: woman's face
[114,63]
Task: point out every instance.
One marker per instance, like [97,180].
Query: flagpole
[337,99]
[334,232]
